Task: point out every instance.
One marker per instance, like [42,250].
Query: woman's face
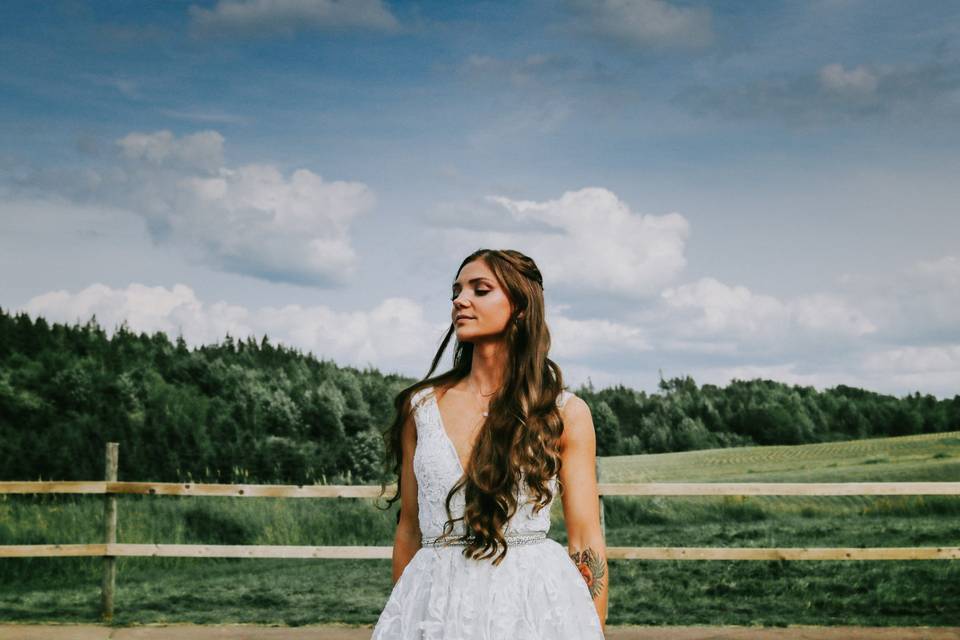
[479,298]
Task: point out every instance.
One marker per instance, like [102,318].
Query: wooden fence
[110,549]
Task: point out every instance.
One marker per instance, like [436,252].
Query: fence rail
[109,550]
[371,552]
[605,489]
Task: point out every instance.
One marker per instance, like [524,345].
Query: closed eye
[480,292]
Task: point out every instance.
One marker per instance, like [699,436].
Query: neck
[487,367]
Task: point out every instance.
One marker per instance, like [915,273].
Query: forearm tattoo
[592,568]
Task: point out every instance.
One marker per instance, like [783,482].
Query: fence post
[109,534]
[603,524]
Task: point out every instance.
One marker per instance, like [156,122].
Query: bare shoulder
[575,409]
[577,422]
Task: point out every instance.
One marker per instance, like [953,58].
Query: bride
[480,452]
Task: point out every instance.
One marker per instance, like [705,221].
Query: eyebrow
[472,280]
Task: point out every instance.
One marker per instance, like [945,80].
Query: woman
[484,448]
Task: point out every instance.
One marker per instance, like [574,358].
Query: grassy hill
[923,457]
[917,458]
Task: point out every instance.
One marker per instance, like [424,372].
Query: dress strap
[417,398]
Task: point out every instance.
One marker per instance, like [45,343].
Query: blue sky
[724,190]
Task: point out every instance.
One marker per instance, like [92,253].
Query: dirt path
[326,632]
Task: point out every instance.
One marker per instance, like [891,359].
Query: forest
[243,411]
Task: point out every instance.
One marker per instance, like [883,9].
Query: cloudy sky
[715,189]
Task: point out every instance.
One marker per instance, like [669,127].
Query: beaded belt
[512,539]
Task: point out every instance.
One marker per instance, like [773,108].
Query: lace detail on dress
[537,593]
[437,468]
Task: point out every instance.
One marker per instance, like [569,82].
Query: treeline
[684,417]
[248,411]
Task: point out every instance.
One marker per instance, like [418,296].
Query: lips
[464,318]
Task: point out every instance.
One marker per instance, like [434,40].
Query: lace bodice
[437,468]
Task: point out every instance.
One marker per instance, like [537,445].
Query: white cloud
[285,17]
[595,338]
[830,314]
[150,309]
[249,219]
[254,220]
[647,23]
[202,151]
[926,369]
[945,270]
[920,304]
[821,339]
[709,316]
[594,242]
[718,333]
[896,372]
[858,80]
[709,307]
[909,360]
[391,335]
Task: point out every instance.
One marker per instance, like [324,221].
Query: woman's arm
[581,501]
[407,540]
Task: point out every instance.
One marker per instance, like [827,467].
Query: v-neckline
[446,436]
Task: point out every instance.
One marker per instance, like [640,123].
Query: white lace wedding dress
[536,593]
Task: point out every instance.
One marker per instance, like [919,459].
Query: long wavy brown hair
[521,434]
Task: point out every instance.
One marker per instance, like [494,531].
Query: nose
[458,305]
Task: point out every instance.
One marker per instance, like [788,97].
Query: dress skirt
[536,593]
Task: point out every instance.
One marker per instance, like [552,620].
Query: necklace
[485,395]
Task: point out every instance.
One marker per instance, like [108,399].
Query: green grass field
[296,592]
